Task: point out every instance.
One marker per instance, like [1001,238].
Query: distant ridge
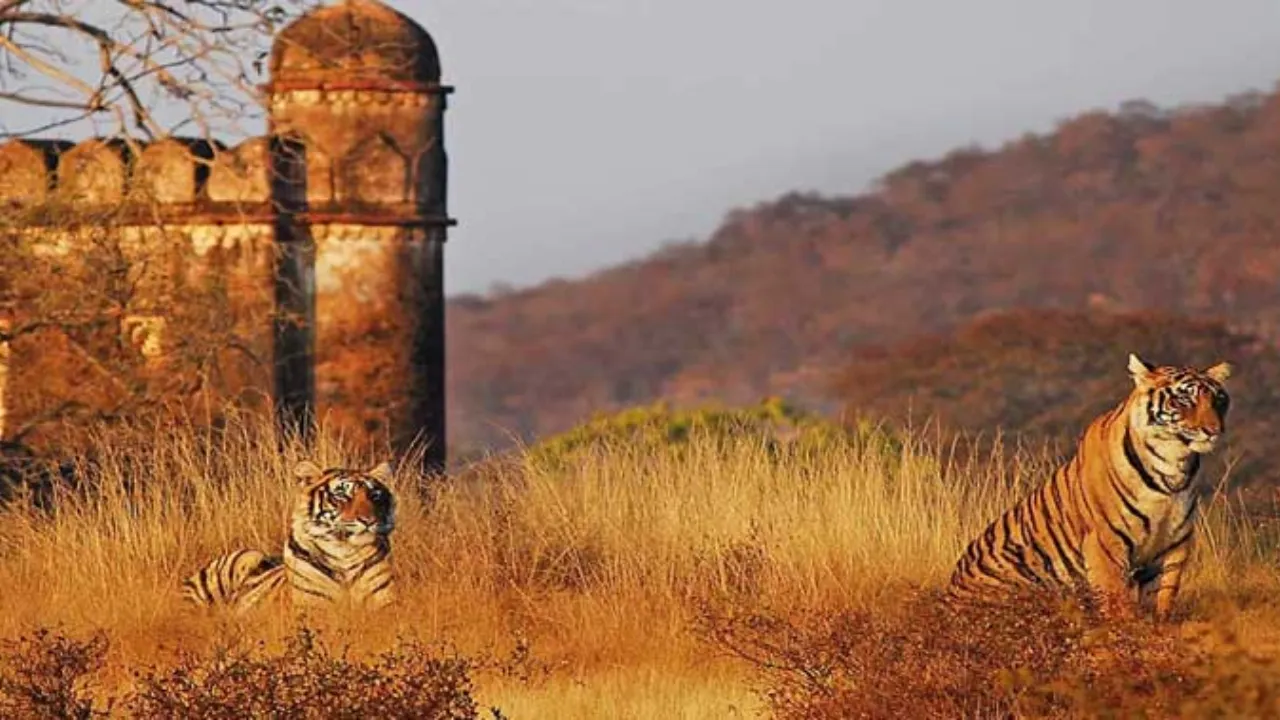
[1141,209]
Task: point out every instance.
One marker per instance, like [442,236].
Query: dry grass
[574,589]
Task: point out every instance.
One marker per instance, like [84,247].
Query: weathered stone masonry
[333,223]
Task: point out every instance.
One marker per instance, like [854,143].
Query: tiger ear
[382,472]
[1139,370]
[1219,372]
[306,471]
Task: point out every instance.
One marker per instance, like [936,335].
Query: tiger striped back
[237,580]
[1118,518]
[338,548]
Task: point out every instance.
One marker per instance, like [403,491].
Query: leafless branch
[139,66]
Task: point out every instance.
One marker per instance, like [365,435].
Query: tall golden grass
[586,576]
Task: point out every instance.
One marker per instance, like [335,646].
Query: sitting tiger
[339,547]
[1118,517]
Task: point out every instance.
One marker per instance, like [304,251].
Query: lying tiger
[1119,517]
[338,550]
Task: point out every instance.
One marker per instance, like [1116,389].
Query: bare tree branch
[139,66]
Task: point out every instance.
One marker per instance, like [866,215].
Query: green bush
[780,427]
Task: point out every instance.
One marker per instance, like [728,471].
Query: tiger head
[353,507]
[1181,405]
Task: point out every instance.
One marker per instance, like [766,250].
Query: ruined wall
[134,274]
[307,260]
[191,226]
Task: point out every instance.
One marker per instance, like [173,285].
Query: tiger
[338,548]
[339,544]
[1118,518]
[237,580]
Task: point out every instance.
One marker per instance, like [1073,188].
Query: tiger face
[1182,405]
[351,507]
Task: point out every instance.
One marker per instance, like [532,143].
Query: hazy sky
[588,132]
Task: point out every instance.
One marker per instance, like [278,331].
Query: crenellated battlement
[190,181]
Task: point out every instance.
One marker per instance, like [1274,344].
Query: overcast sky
[588,132]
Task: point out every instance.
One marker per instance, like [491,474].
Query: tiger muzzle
[1201,440]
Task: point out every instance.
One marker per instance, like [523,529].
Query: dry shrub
[307,680]
[1035,657]
[45,675]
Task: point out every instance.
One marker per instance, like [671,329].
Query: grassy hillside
[727,573]
[1135,210]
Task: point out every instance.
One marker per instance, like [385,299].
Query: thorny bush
[1038,657]
[45,675]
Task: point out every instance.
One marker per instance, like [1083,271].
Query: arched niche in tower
[317,161]
[375,172]
[320,172]
[173,170]
[93,172]
[26,171]
[240,174]
[429,178]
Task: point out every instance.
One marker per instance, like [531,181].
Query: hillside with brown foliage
[1141,209]
[1048,373]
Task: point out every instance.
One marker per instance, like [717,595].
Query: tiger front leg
[1105,565]
[1168,580]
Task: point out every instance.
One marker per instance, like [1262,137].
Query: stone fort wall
[350,179]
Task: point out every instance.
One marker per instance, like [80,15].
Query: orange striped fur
[237,580]
[338,547]
[1119,517]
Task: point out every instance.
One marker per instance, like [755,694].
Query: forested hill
[1141,209]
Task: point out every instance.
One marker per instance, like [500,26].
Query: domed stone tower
[359,169]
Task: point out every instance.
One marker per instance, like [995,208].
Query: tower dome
[354,42]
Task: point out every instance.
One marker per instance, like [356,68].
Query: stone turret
[356,87]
